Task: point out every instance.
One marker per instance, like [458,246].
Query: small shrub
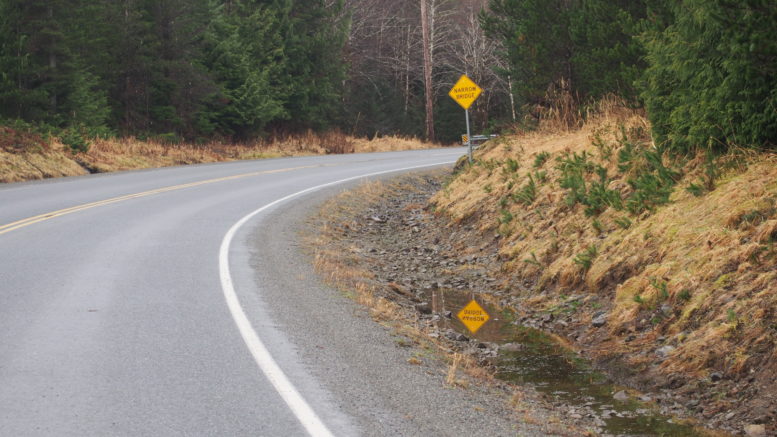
[586,258]
[573,168]
[653,184]
[528,193]
[731,316]
[605,150]
[661,286]
[540,159]
[711,172]
[599,197]
[623,222]
[532,260]
[626,153]
[685,295]
[511,165]
[75,141]
[506,216]
[696,190]
[597,226]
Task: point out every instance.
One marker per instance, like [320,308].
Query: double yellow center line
[50,215]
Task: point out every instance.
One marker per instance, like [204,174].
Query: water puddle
[531,357]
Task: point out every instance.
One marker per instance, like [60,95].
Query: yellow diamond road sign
[473,316]
[465,92]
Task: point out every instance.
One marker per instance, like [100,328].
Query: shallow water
[534,358]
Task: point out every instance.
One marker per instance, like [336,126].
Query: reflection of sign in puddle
[473,316]
[453,303]
[536,359]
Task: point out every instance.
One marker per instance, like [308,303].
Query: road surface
[172,302]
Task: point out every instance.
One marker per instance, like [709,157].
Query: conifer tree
[712,76]
[244,54]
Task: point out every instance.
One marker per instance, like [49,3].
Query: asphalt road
[139,303]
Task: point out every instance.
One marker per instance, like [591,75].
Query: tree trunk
[52,60]
[427,72]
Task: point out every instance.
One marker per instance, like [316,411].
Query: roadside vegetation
[26,154]
[672,257]
[641,194]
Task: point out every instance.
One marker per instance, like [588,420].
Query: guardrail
[476,139]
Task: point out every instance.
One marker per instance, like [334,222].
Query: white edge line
[301,409]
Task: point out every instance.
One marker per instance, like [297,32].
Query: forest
[233,70]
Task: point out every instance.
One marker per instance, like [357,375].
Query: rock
[664,351]
[424,308]
[455,336]
[755,430]
[621,396]
[512,347]
[716,376]
[599,321]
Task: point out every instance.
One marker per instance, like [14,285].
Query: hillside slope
[663,270]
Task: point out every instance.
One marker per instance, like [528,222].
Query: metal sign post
[469,137]
[465,92]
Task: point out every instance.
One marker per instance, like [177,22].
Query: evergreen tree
[45,77]
[244,54]
[536,37]
[606,54]
[314,33]
[712,75]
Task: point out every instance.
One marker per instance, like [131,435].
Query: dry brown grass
[715,253]
[389,144]
[51,162]
[27,157]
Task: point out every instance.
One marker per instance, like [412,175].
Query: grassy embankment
[27,156]
[677,252]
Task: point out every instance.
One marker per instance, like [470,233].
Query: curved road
[139,303]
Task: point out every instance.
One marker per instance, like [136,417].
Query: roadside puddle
[531,357]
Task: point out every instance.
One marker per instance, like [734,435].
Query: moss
[723,281]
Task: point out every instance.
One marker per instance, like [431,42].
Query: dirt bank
[662,272]
[383,245]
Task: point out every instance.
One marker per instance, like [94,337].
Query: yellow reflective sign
[465,92]
[473,316]
[464,139]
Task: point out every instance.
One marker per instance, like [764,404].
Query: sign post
[465,92]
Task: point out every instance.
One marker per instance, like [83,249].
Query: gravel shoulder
[384,381]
